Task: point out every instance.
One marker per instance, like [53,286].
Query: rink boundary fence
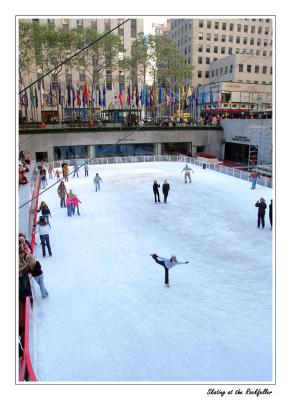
[217,167]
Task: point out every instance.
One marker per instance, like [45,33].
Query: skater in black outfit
[261,212]
[271,213]
[166,189]
[156,186]
[167,264]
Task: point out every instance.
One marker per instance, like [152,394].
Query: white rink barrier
[217,167]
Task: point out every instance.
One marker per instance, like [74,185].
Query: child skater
[75,202]
[167,264]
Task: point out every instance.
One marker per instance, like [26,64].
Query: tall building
[127,33]
[162,29]
[204,41]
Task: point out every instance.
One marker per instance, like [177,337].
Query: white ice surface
[109,316]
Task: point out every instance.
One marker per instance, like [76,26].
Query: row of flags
[135,96]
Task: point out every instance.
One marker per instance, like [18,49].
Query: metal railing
[217,167]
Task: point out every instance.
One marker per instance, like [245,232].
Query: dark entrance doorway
[41,156]
[236,152]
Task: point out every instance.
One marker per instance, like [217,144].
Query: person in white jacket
[97,181]
[187,172]
[43,229]
[167,263]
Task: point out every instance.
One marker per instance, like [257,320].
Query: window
[231,26]
[259,42]
[256,82]
[80,24]
[214,59]
[270,54]
[252,41]
[246,28]
[236,51]
[200,36]
[199,74]
[257,52]
[271,70]
[216,72]
[222,50]
[264,53]
[265,43]
[264,69]
[266,30]
[223,38]
[226,69]
[209,24]
[94,25]
[201,23]
[230,39]
[206,74]
[208,36]
[230,50]
[249,68]
[253,29]
[224,26]
[237,40]
[120,29]
[245,40]
[241,68]
[257,69]
[133,29]
[215,37]
[230,69]
[65,24]
[107,25]
[263,82]
[215,49]
[212,73]
[207,49]
[220,71]
[200,48]
[259,30]
[51,24]
[200,59]
[267,20]
[238,28]
[216,25]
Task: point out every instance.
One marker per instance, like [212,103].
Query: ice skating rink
[109,316]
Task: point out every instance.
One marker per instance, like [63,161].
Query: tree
[26,54]
[139,61]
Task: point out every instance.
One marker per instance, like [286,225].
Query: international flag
[219,100]
[60,93]
[99,97]
[69,94]
[78,96]
[120,94]
[41,94]
[128,95]
[85,94]
[183,97]
[31,97]
[51,94]
[73,96]
[95,94]
[104,96]
[112,91]
[36,98]
[160,94]
[203,97]
[136,96]
[146,97]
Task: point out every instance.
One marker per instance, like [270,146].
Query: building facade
[204,41]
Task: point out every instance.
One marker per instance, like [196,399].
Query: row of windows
[207,75]
[233,27]
[238,39]
[222,50]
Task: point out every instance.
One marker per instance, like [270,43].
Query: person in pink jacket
[69,205]
[75,202]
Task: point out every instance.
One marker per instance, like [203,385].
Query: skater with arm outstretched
[187,172]
[167,263]
[156,186]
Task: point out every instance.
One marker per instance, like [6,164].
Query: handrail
[217,167]
[26,369]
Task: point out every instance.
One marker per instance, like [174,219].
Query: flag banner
[36,98]
[94,94]
[120,94]
[51,94]
[99,97]
[104,96]
[128,95]
[41,94]
[136,96]
[219,100]
[112,91]
[73,97]
[85,94]
[69,94]
[160,95]
[31,97]
[78,96]
[146,97]
[60,93]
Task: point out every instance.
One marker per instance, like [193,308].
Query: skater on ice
[45,211]
[62,192]
[66,171]
[69,205]
[166,189]
[156,186]
[187,173]
[271,213]
[254,175]
[86,169]
[97,181]
[261,212]
[50,171]
[34,268]
[76,168]
[58,175]
[167,263]
[43,229]
[43,178]
[75,204]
